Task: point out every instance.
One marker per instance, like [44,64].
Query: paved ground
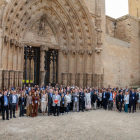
[97,125]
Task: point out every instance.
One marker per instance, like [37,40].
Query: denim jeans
[67,107]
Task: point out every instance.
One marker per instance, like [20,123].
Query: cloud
[116,8]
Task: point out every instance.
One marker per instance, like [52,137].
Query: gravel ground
[88,125]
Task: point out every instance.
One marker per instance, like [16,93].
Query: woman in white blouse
[68,100]
[44,99]
[126,101]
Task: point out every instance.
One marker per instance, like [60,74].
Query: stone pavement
[97,125]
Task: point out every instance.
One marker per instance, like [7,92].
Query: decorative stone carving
[44,48]
[65,51]
[81,52]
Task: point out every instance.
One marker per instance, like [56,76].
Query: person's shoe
[51,113]
[3,119]
[132,111]
[14,116]
[83,111]
[48,114]
[7,119]
[68,112]
[10,117]
[63,113]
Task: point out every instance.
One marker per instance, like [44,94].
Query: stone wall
[134,8]
[122,60]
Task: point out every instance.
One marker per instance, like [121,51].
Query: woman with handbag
[88,100]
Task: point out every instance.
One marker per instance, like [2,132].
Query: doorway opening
[31,65]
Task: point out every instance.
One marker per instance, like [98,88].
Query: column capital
[44,48]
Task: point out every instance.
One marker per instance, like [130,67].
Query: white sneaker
[68,112]
[60,113]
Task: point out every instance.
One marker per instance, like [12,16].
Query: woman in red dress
[35,100]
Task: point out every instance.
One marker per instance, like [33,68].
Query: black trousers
[62,109]
[54,110]
[120,106]
[71,106]
[105,103]
[21,110]
[98,103]
[5,108]
[12,109]
[81,103]
[132,102]
[50,108]
[117,105]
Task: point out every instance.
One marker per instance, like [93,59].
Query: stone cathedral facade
[67,42]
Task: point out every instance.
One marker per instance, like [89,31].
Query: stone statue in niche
[42,29]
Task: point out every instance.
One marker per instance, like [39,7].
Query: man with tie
[132,100]
[81,100]
[50,109]
[13,100]
[5,105]
[56,104]
[104,97]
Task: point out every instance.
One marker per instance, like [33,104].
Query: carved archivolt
[69,19]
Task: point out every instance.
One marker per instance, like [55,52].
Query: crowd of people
[61,100]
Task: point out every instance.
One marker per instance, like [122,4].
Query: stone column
[43,49]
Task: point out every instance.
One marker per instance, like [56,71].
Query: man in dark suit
[13,100]
[81,100]
[132,100]
[104,97]
[5,105]
[50,108]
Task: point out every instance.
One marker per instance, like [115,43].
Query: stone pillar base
[20,78]
[16,78]
[72,79]
[89,79]
[98,79]
[42,77]
[64,79]
[80,79]
[12,77]
[6,78]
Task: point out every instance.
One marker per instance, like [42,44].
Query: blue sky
[116,8]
